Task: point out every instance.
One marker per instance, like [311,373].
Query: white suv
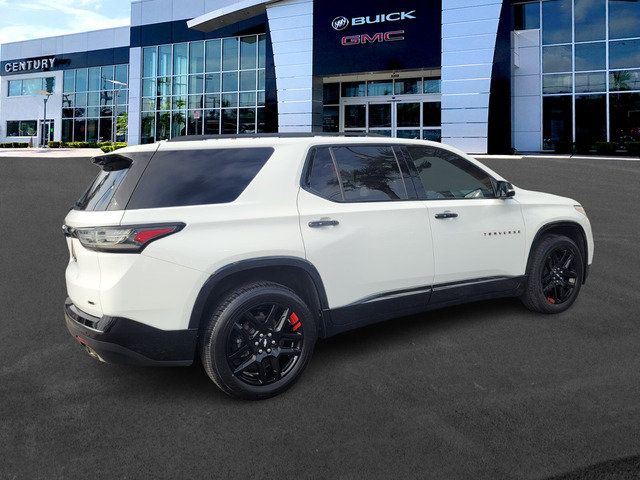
[245,250]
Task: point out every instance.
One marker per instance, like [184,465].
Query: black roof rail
[192,138]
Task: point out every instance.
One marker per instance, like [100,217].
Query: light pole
[45,131]
[115,107]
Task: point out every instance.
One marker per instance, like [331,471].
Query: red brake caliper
[551,300]
[295,321]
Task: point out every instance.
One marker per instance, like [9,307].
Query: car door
[478,239]
[366,232]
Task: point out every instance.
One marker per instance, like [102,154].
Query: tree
[122,123]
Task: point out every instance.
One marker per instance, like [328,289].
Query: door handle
[323,223]
[446,215]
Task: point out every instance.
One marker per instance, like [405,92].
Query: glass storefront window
[556,21]
[556,59]
[526,16]
[94,79]
[185,90]
[381,87]
[331,119]
[15,88]
[149,60]
[591,82]
[624,54]
[557,124]
[331,93]
[81,80]
[164,60]
[230,82]
[229,120]
[211,122]
[354,89]
[68,81]
[248,80]
[262,52]
[408,115]
[624,19]
[589,20]
[407,86]
[431,114]
[432,85]
[122,73]
[355,116]
[624,117]
[196,57]
[248,53]
[230,54]
[213,55]
[88,99]
[180,59]
[624,80]
[590,56]
[591,119]
[557,83]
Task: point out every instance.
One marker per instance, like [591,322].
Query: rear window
[118,176]
[197,177]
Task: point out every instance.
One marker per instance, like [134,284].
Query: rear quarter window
[176,178]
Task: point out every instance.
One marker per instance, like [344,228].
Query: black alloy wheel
[265,343]
[559,276]
[258,340]
[554,274]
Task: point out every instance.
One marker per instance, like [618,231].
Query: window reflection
[590,56]
[589,18]
[624,54]
[556,21]
[624,19]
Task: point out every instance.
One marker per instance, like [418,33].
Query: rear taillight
[123,239]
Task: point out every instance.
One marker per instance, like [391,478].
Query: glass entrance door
[414,117]
[46,133]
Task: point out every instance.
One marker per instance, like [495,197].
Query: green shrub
[606,148]
[113,146]
[53,144]
[633,149]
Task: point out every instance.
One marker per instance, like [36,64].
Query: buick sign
[340,23]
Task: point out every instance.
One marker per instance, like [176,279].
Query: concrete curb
[555,157]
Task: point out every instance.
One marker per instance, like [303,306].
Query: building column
[299,99]
[135,84]
[469,32]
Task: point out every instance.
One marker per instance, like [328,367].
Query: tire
[248,315]
[553,290]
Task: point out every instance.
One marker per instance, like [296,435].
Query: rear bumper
[124,341]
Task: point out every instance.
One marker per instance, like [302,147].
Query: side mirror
[504,189]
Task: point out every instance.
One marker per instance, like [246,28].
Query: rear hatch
[102,204]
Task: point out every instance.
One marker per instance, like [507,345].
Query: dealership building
[482,75]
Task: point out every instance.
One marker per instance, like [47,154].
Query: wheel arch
[296,273]
[567,228]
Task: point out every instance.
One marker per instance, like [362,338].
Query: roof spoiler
[112,161]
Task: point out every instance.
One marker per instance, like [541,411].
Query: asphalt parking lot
[487,390]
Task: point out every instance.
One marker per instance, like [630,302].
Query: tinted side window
[369,173]
[446,175]
[322,177]
[197,177]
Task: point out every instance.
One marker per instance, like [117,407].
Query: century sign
[30,65]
